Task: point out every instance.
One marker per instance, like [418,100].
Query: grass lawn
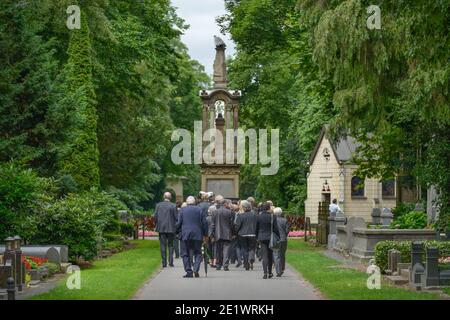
[338,283]
[116,278]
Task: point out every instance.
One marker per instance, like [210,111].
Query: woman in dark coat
[266,223]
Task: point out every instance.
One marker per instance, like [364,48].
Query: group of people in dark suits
[239,231]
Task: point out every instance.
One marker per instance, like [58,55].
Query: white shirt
[334,208]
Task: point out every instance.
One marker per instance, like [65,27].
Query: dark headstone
[432,267]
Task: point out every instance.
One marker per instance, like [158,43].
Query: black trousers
[222,253]
[212,249]
[248,246]
[192,248]
[166,240]
[176,245]
[267,256]
[235,251]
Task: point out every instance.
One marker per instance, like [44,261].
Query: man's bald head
[167,196]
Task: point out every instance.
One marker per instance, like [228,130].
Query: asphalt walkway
[236,284]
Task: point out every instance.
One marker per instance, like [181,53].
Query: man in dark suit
[246,230]
[194,229]
[266,223]
[222,232]
[165,220]
[204,204]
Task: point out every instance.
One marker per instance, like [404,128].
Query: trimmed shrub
[52,268]
[22,193]
[79,221]
[382,248]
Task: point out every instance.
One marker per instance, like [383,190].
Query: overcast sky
[199,38]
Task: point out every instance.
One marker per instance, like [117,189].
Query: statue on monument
[220,67]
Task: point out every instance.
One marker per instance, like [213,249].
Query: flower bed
[33,262]
[297,234]
[147,233]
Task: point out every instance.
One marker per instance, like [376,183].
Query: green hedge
[382,248]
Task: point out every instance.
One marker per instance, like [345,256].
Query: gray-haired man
[280,253]
[222,229]
[165,220]
[246,230]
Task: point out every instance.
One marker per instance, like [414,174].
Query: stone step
[397,280]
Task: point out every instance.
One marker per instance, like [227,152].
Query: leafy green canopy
[96,106]
[391,85]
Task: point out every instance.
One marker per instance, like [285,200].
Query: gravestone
[417,275]
[419,207]
[386,217]
[432,267]
[6,271]
[393,261]
[376,216]
[50,253]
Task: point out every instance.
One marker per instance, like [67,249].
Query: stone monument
[221,112]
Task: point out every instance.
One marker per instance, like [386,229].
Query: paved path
[236,284]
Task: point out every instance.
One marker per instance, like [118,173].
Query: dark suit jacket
[283,227]
[246,224]
[223,224]
[204,205]
[264,222]
[166,217]
[209,221]
[192,223]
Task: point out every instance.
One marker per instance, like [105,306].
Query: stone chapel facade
[331,176]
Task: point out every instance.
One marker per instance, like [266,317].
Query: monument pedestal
[221,179]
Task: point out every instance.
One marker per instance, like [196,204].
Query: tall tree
[28,69]
[77,152]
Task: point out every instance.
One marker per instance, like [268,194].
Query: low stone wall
[364,240]
[360,242]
